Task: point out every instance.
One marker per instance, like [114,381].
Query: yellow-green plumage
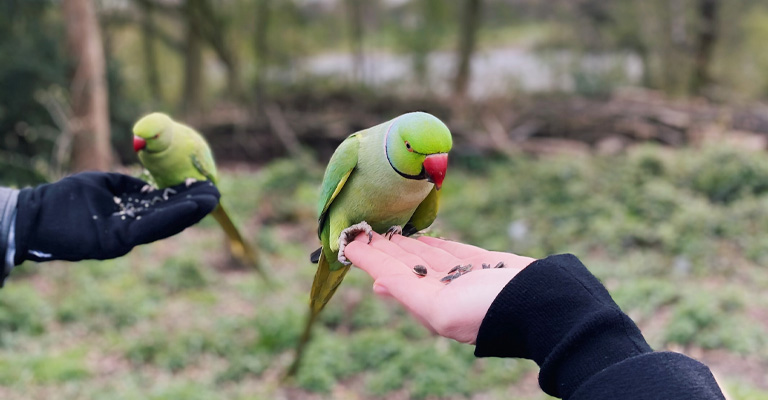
[175,153]
[361,184]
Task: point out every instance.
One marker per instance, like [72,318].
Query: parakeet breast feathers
[184,154]
[375,192]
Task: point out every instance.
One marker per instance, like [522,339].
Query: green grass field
[680,238]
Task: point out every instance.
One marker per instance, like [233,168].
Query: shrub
[22,310]
[179,273]
[712,322]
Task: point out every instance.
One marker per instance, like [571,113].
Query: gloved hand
[97,215]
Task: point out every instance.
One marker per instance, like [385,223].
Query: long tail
[240,248]
[323,287]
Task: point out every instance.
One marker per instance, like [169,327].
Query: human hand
[453,310]
[97,215]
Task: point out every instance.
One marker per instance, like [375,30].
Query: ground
[678,238]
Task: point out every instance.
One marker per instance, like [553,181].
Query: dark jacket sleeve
[7,213]
[556,313]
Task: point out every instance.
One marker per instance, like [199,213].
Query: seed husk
[420,270]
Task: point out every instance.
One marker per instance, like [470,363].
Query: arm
[7,219]
[558,314]
[96,215]
[552,311]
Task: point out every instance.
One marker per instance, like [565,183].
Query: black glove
[96,215]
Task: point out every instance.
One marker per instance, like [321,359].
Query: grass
[676,235]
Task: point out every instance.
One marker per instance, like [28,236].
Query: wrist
[558,314]
[8,202]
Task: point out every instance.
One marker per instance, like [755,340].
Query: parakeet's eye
[408,146]
[156,136]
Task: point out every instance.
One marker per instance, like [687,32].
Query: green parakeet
[386,179]
[174,153]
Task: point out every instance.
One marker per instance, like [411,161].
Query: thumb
[381,290]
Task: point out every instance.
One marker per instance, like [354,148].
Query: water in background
[495,72]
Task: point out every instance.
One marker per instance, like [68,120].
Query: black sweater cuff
[556,313]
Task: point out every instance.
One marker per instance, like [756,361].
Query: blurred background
[631,133]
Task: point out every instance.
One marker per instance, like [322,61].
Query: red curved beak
[138,144]
[435,165]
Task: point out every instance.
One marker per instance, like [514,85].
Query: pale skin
[453,310]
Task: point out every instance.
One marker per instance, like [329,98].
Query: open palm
[454,310]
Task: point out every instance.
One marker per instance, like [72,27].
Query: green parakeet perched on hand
[386,179]
[174,153]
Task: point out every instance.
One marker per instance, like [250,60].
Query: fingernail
[380,290]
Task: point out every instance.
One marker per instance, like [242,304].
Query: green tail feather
[239,247]
[323,287]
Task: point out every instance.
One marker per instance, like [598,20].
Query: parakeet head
[152,133]
[417,146]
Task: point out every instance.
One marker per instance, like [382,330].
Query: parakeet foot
[349,234]
[392,231]
[167,193]
[189,181]
[147,188]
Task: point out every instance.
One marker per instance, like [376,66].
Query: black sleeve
[556,313]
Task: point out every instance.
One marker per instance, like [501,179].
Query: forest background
[631,133]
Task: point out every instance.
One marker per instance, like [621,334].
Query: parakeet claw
[168,192]
[392,231]
[189,181]
[349,234]
[147,188]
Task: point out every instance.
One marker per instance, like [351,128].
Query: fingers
[437,258]
[492,258]
[373,261]
[198,187]
[391,276]
[205,194]
[155,225]
[411,252]
[393,249]
[459,250]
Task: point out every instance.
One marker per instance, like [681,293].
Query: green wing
[424,215]
[203,167]
[200,152]
[339,169]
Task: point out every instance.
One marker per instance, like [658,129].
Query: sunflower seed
[420,270]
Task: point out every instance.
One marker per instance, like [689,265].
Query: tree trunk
[148,33]
[708,10]
[354,11]
[469,23]
[213,30]
[261,48]
[91,149]
[193,71]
